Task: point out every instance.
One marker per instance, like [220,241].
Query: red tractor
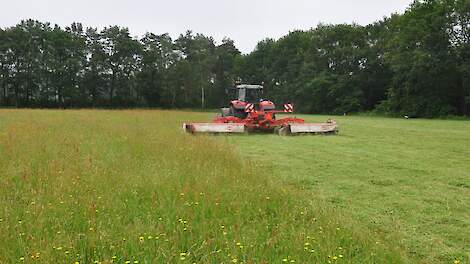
[249,112]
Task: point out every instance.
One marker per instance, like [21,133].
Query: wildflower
[66,252]
[183,255]
[136,261]
[234,260]
[457,261]
[335,257]
[141,239]
[114,257]
[22,259]
[127,261]
[149,237]
[340,255]
[59,248]
[307,244]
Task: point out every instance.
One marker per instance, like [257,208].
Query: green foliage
[417,64]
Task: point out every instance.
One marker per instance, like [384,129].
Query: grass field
[129,187]
[405,178]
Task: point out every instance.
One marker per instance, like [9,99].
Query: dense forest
[416,63]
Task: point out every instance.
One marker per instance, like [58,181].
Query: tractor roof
[248,86]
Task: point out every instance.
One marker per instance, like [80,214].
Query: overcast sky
[245,21]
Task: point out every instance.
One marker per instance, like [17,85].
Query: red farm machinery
[249,112]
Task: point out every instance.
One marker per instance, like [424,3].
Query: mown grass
[409,179]
[129,187]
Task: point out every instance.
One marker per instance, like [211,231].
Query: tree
[121,58]
[226,55]
[157,57]
[424,70]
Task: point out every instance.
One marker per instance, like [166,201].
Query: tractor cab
[248,93]
[245,98]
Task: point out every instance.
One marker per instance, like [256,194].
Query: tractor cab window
[253,95]
[242,95]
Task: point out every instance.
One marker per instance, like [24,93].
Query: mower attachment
[317,128]
[214,128]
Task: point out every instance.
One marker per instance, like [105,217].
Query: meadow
[93,186]
[404,178]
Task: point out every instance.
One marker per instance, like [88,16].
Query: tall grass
[130,187]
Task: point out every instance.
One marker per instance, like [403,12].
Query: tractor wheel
[225,112]
[282,131]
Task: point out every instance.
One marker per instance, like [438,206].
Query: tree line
[416,63]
